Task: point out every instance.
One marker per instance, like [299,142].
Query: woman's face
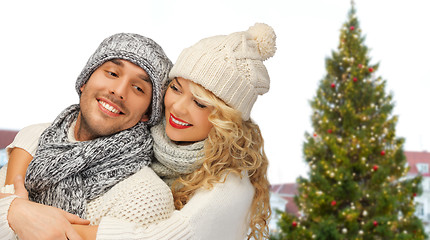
[186,117]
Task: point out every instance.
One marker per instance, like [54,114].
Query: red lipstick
[178,123]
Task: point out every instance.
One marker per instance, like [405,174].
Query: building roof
[285,189]
[415,158]
[291,207]
[6,137]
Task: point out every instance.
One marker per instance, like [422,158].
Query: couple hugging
[152,151]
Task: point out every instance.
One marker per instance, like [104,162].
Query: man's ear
[82,88]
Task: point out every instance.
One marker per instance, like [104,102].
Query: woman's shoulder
[232,186]
[141,198]
[143,180]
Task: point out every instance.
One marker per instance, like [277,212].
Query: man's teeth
[109,107]
[180,123]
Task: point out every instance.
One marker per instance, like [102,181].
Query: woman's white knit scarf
[172,160]
[66,174]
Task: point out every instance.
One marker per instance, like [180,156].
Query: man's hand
[31,220]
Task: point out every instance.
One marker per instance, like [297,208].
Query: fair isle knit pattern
[171,160]
[66,174]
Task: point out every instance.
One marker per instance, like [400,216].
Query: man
[94,145]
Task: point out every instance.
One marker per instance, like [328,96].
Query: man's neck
[80,133]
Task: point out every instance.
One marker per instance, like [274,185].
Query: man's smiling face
[116,97]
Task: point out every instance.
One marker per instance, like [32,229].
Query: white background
[45,44]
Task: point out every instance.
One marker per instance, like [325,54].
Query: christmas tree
[357,186]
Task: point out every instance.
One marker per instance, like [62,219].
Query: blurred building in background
[282,195]
[6,137]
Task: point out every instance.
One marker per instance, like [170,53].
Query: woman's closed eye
[174,88]
[200,105]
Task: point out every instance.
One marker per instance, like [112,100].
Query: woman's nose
[180,106]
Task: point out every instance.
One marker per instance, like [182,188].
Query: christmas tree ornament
[294,224]
[370,69]
[382,153]
[354,79]
[375,223]
[352,28]
[333,203]
[365,213]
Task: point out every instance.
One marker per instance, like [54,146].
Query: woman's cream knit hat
[230,66]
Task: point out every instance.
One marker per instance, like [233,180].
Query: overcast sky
[45,44]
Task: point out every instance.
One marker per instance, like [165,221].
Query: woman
[208,147]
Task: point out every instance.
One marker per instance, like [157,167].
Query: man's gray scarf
[172,160]
[66,174]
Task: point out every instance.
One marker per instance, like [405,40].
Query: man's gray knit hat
[140,50]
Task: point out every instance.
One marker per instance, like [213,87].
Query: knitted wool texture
[142,198]
[140,50]
[171,160]
[66,174]
[230,66]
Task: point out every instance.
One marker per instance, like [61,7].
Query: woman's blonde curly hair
[232,146]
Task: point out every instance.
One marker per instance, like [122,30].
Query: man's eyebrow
[144,77]
[117,62]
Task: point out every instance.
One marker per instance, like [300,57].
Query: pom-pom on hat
[140,50]
[230,66]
